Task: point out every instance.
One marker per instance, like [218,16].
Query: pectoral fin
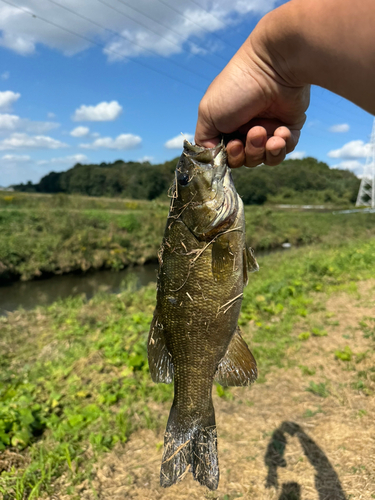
[250,265]
[159,358]
[222,259]
[238,367]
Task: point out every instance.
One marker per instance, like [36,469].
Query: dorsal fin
[238,367]
[159,358]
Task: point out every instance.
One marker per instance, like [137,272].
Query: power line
[94,42]
[196,73]
[184,39]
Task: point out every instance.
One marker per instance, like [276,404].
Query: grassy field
[55,234]
[74,379]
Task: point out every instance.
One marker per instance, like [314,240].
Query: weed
[311,413]
[345,355]
[224,392]
[360,356]
[317,332]
[318,389]
[306,370]
[304,336]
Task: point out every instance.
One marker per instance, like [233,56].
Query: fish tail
[195,446]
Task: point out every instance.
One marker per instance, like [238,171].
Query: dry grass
[277,441]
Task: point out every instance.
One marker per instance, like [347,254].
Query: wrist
[277,45]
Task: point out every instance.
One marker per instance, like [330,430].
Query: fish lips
[200,172]
[205,188]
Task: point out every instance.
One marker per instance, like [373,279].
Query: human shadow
[327,483]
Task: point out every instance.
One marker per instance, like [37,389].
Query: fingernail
[275,152]
[257,142]
[236,150]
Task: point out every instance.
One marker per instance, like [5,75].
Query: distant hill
[294,181]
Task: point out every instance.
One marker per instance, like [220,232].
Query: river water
[29,294]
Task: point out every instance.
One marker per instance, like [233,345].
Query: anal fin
[159,358]
[238,367]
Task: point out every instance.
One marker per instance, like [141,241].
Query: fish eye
[183,179]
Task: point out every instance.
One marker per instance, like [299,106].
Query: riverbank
[74,378]
[43,235]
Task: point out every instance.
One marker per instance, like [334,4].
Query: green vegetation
[60,233]
[306,181]
[294,181]
[318,389]
[74,377]
[345,355]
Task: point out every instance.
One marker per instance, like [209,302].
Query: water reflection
[29,294]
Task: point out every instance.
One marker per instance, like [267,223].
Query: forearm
[330,43]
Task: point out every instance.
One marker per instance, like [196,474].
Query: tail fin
[195,446]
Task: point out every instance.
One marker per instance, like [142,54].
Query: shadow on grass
[327,483]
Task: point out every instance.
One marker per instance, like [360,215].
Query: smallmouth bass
[194,338]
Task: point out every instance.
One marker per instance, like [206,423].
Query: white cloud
[122,142]
[11,123]
[51,115]
[339,128]
[145,158]
[16,158]
[17,43]
[297,155]
[352,149]
[7,98]
[153,25]
[102,112]
[352,165]
[348,165]
[178,141]
[71,159]
[80,131]
[25,141]
[5,75]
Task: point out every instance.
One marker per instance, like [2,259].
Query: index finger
[206,134]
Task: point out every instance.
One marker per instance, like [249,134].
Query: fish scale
[194,337]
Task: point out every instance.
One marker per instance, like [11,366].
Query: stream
[42,292]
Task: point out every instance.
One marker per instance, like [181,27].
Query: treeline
[294,181]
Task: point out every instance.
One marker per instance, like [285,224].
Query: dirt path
[278,441]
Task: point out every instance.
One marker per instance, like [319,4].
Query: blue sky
[108,79]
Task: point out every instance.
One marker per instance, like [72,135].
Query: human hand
[258,98]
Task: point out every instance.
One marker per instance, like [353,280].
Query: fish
[194,338]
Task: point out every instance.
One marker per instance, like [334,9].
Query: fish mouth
[207,158]
[221,198]
[200,153]
[196,150]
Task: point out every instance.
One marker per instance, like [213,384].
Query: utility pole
[366,193]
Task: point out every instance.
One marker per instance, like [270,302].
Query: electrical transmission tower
[366,193]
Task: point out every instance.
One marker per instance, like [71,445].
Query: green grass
[74,376]
[56,234]
[320,389]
